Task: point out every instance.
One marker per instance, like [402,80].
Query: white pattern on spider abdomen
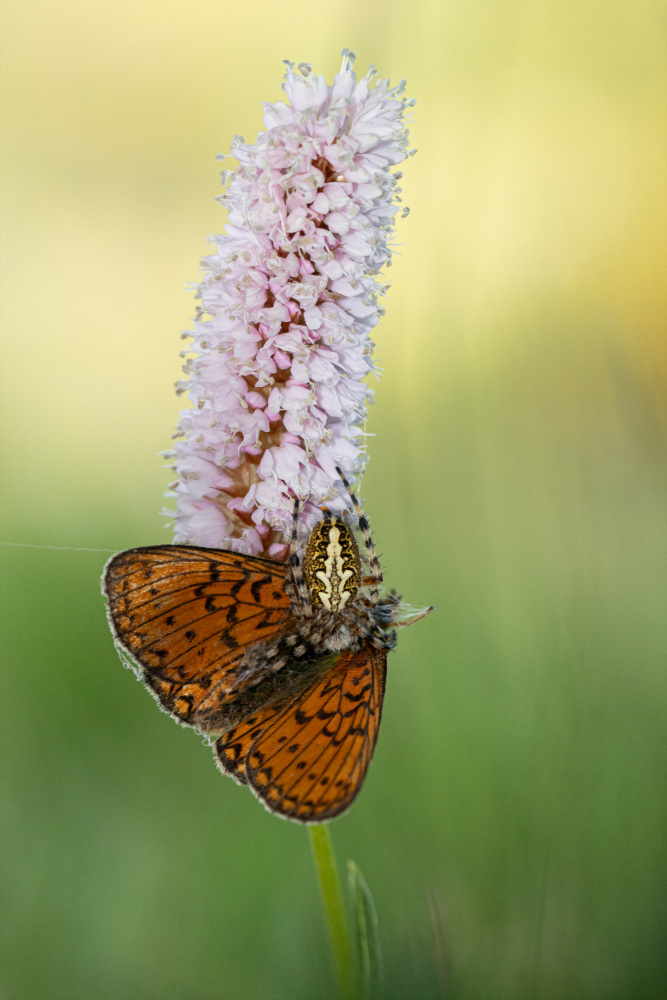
[331,565]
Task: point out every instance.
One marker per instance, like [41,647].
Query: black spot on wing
[256,587]
[228,640]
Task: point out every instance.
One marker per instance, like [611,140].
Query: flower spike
[277,370]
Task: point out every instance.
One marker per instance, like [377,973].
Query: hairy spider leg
[364,527]
[296,570]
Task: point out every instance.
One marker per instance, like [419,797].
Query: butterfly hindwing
[186,616]
[306,755]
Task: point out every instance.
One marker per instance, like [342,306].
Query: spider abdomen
[332,567]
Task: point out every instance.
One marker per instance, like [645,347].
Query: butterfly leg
[364,527]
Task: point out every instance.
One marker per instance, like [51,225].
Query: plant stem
[332,897]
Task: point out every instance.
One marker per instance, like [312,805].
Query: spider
[329,611]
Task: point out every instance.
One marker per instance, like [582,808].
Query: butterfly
[282,667]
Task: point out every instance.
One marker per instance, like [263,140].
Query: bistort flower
[277,371]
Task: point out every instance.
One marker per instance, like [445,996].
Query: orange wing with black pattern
[185,616]
[305,756]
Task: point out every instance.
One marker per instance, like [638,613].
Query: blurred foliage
[512,829]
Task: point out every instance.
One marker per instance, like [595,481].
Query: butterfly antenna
[364,527]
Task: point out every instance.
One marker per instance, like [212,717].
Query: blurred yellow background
[513,824]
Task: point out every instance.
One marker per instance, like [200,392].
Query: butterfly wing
[306,756]
[185,617]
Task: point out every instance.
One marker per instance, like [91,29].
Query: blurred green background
[513,826]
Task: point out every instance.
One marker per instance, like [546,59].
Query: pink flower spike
[277,371]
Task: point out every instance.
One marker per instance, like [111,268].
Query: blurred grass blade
[365,933]
[332,897]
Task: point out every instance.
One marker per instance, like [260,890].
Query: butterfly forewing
[187,615]
[306,755]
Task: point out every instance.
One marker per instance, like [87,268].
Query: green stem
[332,897]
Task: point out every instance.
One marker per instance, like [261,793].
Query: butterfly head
[331,565]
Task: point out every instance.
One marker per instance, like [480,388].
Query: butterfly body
[282,666]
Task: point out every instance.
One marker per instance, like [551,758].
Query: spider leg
[363,619]
[364,527]
[302,604]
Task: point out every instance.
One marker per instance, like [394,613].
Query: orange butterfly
[283,665]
